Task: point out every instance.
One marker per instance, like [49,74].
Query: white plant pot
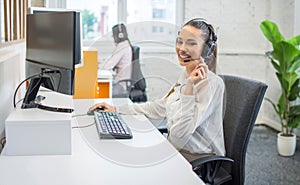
[286,145]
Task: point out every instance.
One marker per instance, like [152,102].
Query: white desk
[147,159]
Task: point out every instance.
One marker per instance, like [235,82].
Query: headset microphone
[188,60]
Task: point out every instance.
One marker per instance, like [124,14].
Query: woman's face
[189,45]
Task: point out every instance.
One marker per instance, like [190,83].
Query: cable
[85,125]
[44,71]
[78,115]
[19,101]
[2,142]
[15,94]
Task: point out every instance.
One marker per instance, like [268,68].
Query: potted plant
[285,59]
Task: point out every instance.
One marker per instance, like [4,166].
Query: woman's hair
[119,33]
[209,52]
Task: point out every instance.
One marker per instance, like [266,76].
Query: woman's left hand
[199,73]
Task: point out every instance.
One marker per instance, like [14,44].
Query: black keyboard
[110,125]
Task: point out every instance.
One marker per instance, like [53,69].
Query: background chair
[243,98]
[136,86]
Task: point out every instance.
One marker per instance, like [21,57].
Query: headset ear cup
[120,34]
[208,50]
[211,49]
[205,51]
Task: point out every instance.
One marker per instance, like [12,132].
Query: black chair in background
[243,98]
[136,86]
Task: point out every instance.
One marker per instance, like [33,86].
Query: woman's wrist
[188,90]
[189,81]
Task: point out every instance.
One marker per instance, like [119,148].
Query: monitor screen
[52,39]
[53,48]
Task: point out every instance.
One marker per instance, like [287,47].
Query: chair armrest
[206,159]
[128,83]
[163,130]
[124,80]
[209,169]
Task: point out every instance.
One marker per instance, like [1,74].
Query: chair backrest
[137,75]
[138,89]
[243,98]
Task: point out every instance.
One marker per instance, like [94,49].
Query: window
[12,22]
[158,13]
[151,10]
[97,16]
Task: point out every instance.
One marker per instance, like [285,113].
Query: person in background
[121,58]
[193,108]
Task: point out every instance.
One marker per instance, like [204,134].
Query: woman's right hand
[199,73]
[106,107]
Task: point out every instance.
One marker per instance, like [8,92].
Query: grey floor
[263,164]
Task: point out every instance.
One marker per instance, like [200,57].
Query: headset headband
[212,35]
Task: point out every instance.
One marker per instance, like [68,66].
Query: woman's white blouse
[195,122]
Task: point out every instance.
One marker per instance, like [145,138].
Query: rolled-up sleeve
[154,110]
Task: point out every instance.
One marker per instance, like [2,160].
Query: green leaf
[295,41]
[283,82]
[294,116]
[275,65]
[285,53]
[281,105]
[294,122]
[295,65]
[271,31]
[274,106]
[290,78]
[295,91]
[294,111]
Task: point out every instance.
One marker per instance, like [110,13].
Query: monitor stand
[32,90]
[31,99]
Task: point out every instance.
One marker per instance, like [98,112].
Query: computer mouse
[98,109]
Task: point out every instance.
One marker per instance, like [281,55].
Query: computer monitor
[78,35]
[53,48]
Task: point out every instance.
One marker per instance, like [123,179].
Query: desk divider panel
[86,76]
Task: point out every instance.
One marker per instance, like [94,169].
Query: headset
[210,44]
[120,34]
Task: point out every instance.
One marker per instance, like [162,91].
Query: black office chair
[243,98]
[136,86]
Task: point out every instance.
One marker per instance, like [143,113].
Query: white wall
[241,42]
[297,17]
[12,61]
